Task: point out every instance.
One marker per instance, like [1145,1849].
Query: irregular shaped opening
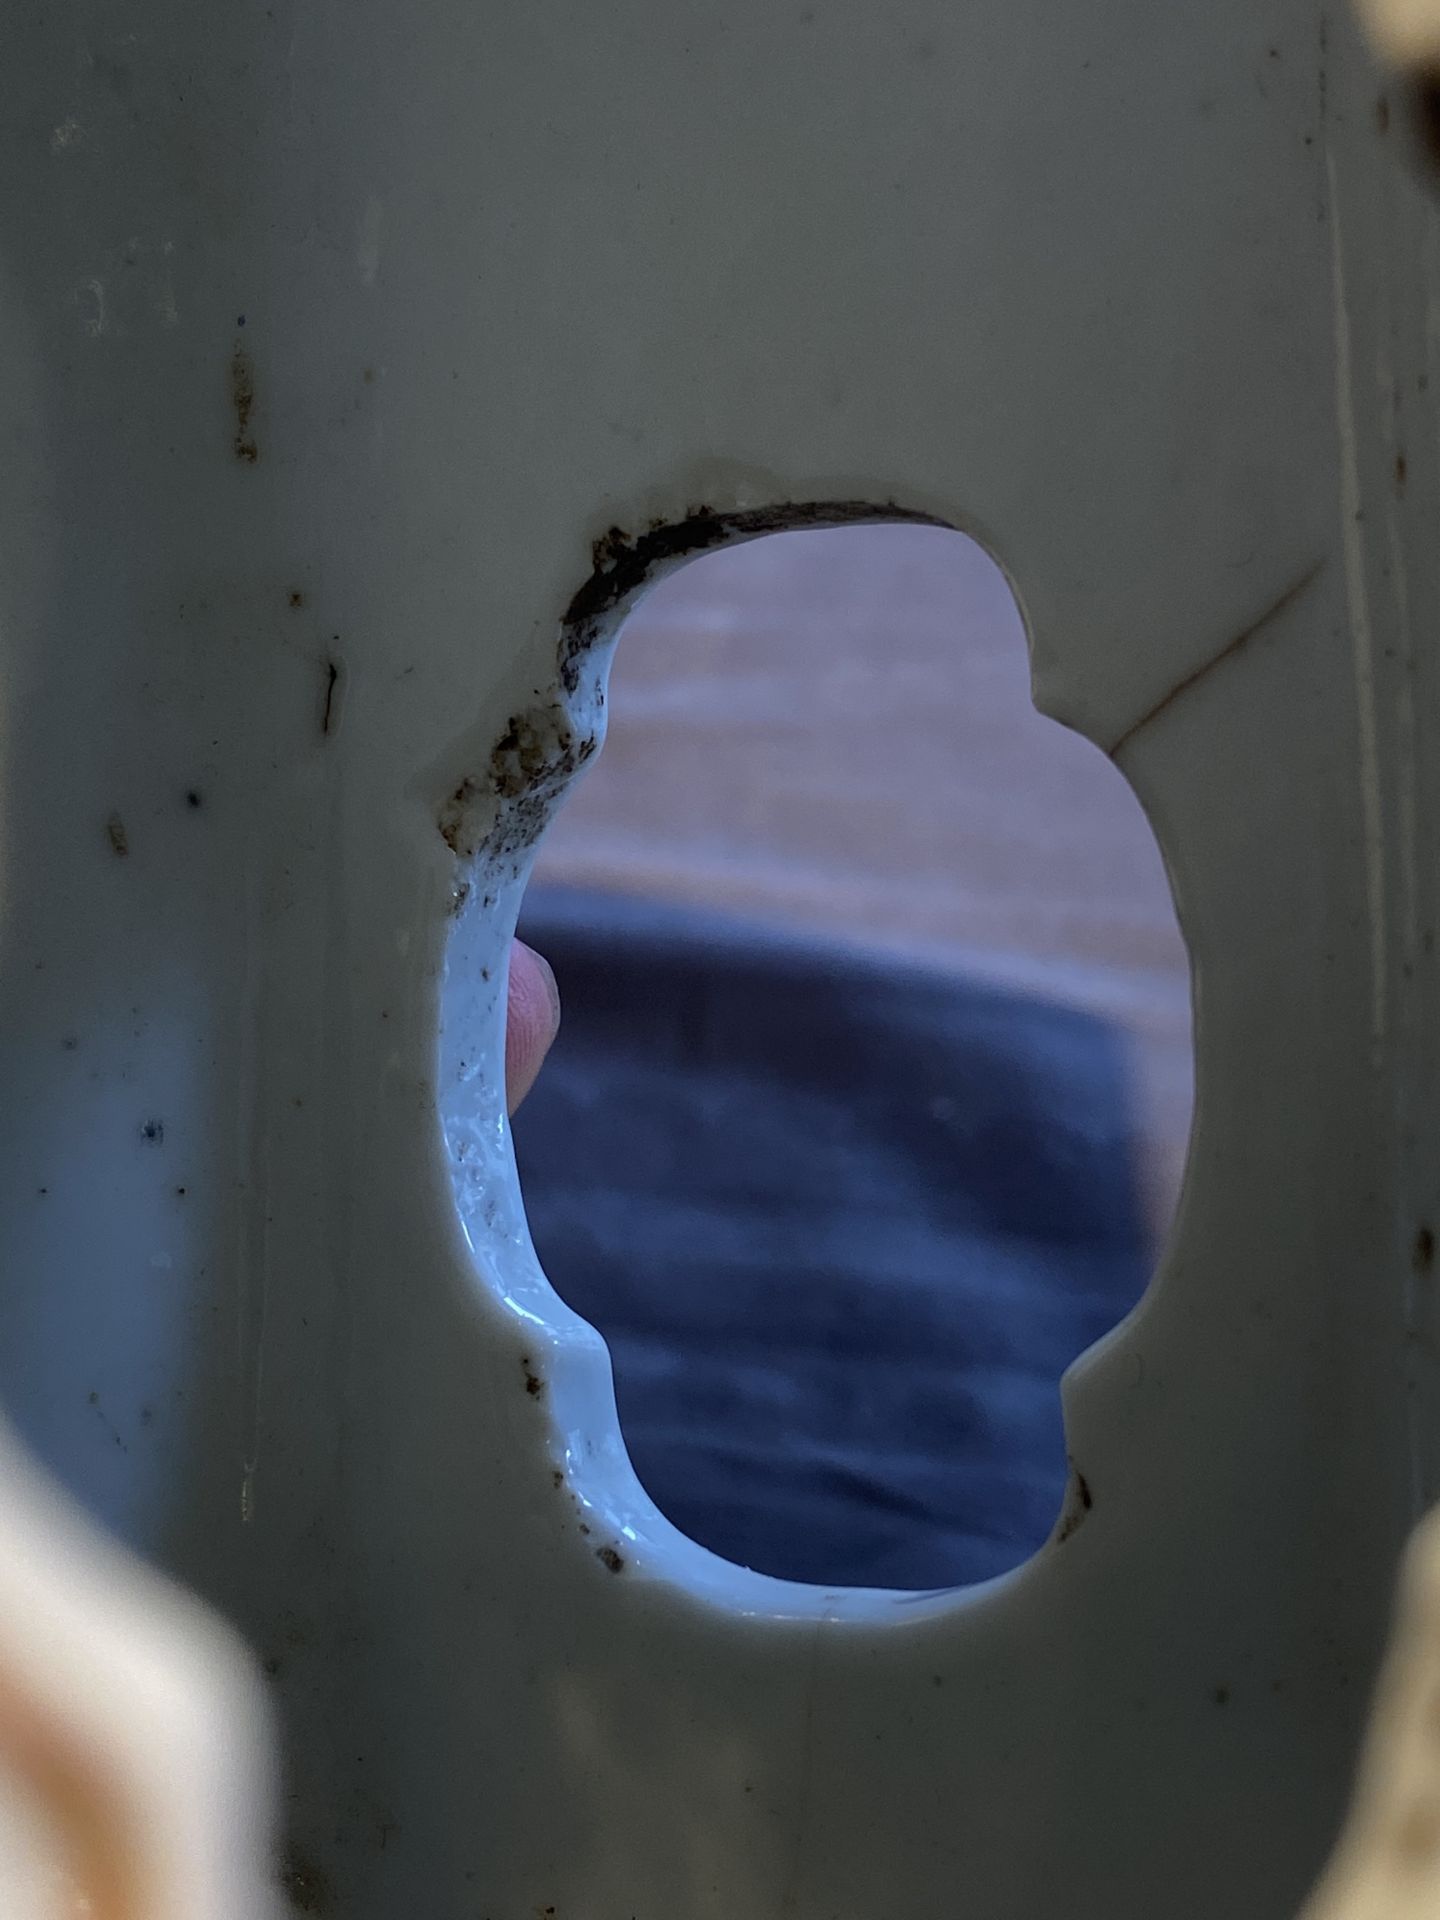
[870,1104]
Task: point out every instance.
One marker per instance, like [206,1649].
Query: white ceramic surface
[333,339]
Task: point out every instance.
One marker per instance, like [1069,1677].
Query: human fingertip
[532,1019]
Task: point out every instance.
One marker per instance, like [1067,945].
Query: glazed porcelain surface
[361,366]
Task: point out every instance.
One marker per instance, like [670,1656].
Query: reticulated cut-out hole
[872,1093]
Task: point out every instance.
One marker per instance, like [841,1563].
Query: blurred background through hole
[869,1109]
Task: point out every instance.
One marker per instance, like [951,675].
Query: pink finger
[532,1019]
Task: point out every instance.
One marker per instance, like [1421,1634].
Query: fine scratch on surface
[791,1901]
[254,1309]
[367,256]
[1273,612]
[252,1211]
[1362,639]
[1418,1366]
